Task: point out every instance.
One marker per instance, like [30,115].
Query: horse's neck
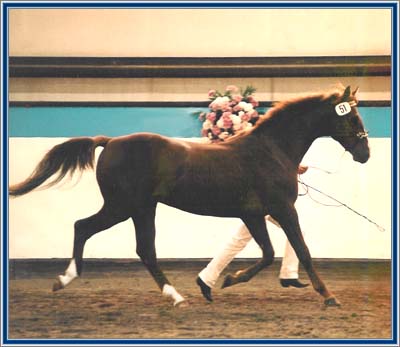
[292,133]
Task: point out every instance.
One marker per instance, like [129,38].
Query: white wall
[41,223]
[199,32]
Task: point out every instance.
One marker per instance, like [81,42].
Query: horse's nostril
[361,157]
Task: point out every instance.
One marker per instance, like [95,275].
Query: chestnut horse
[136,172]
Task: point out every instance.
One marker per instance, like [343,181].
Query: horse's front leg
[288,219]
[258,229]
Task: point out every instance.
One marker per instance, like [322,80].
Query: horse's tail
[77,153]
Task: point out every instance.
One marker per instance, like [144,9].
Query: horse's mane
[298,104]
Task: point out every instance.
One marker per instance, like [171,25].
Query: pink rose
[237,108]
[214,106]
[232,88]
[253,101]
[253,114]
[212,117]
[211,93]
[237,98]
[245,117]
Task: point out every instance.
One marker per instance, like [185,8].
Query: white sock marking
[70,274]
[170,291]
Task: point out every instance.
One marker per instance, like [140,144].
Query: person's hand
[302,169]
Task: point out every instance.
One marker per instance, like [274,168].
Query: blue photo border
[6,5]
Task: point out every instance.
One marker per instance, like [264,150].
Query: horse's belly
[204,210]
[218,204]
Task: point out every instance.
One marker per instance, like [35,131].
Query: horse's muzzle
[361,152]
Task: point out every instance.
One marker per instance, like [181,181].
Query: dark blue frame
[393,5]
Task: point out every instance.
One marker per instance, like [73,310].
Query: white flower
[248,107]
[220,123]
[235,119]
[237,127]
[221,100]
[245,106]
[220,103]
[246,125]
[242,104]
[241,113]
[207,125]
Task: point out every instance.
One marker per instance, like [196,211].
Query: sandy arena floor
[120,300]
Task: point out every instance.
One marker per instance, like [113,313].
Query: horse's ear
[346,93]
[355,91]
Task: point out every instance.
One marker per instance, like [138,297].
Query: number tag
[343,108]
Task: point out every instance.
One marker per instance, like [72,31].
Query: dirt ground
[119,300]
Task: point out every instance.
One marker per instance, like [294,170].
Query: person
[289,274]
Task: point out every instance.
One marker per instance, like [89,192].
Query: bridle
[344,108]
[362,134]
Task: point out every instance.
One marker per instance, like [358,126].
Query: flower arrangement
[229,113]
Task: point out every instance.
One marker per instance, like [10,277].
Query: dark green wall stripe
[191,67]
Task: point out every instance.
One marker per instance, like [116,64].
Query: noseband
[362,134]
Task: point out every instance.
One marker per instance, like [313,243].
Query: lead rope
[306,192]
[328,171]
[307,188]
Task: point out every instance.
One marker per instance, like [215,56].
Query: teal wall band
[115,121]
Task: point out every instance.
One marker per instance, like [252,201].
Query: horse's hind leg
[84,229]
[258,229]
[145,248]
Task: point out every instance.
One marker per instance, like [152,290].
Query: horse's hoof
[57,285]
[181,304]
[332,302]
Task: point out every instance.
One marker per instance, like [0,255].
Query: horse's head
[346,125]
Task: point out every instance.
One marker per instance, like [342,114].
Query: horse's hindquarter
[124,167]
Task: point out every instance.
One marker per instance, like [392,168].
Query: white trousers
[210,274]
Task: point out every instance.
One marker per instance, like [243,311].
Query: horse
[135,172]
